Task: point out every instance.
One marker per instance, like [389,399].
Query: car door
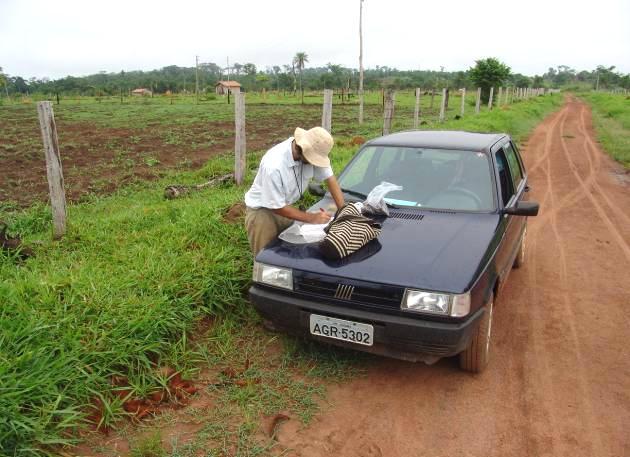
[511,186]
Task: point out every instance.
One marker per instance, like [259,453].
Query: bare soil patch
[235,213]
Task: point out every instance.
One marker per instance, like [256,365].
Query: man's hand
[320,217]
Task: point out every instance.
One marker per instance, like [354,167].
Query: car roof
[440,139]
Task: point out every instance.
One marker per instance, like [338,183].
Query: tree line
[296,75]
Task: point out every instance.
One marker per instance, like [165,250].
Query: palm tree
[300,60]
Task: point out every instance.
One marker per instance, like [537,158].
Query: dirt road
[558,383]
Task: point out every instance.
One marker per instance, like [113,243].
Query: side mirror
[523,209]
[316,188]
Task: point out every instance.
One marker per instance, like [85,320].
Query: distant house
[141,91]
[222,87]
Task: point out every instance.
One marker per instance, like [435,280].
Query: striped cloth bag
[348,232]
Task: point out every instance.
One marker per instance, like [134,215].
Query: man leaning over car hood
[283,176]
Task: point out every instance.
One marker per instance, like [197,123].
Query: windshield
[432,178]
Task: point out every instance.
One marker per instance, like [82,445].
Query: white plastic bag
[313,232]
[292,234]
[300,233]
[375,203]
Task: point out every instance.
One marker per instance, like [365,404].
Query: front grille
[358,292]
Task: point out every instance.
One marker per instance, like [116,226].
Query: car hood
[442,252]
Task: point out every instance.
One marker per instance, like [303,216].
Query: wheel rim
[490,306]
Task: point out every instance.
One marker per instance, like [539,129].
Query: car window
[515,166]
[434,178]
[505,179]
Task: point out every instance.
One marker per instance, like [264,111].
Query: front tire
[475,358]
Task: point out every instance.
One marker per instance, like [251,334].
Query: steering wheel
[462,191]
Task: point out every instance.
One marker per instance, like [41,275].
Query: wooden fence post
[239,137]
[490,99]
[327,110]
[361,106]
[432,97]
[500,97]
[388,112]
[443,105]
[461,111]
[54,171]
[416,110]
[478,102]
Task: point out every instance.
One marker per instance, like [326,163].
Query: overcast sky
[63,37]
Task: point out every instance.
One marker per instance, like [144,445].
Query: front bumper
[409,338]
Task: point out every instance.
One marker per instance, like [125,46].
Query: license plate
[339,329]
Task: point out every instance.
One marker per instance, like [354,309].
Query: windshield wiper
[354,193]
[362,196]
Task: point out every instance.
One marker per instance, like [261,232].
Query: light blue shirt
[280,178]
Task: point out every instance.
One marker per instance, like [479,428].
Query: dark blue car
[425,288]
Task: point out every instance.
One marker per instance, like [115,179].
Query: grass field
[140,283]
[611,117]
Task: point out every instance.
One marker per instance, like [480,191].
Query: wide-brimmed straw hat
[316,144]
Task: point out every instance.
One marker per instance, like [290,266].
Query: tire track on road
[544,378]
[541,159]
[550,212]
[558,132]
[595,151]
[600,211]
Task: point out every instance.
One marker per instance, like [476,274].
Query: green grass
[128,286]
[611,118]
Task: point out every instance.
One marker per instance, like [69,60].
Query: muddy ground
[558,383]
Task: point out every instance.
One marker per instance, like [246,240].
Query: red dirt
[175,395]
[357,140]
[558,383]
[235,213]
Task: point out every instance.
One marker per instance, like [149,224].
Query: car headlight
[273,276]
[421,301]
